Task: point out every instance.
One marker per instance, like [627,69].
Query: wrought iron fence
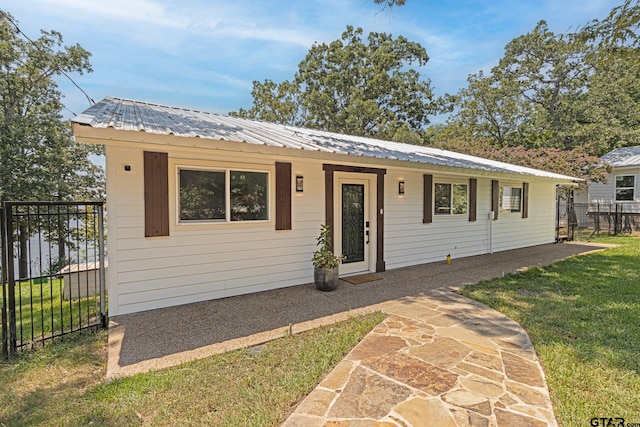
[53,271]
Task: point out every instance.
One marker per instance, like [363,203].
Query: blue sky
[204,54]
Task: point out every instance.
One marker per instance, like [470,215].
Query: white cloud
[197,49]
[239,29]
[148,11]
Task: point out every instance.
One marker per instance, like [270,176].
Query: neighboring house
[622,182]
[203,206]
[614,205]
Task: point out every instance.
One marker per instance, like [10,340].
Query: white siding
[200,262]
[408,241]
[602,192]
[605,193]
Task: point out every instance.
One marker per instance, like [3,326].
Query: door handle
[367,234]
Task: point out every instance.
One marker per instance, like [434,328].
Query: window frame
[452,204]
[616,188]
[227,194]
[501,198]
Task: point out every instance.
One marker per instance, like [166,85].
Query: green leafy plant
[324,257]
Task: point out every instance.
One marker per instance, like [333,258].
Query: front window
[510,199]
[450,199]
[625,188]
[248,192]
[202,195]
[222,195]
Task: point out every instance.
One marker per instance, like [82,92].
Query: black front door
[353,223]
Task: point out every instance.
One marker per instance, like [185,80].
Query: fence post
[11,279]
[570,216]
[557,214]
[103,284]
[3,271]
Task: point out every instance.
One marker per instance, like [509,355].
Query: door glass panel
[353,222]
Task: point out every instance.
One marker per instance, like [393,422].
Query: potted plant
[325,262]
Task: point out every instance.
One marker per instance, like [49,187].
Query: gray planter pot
[325,280]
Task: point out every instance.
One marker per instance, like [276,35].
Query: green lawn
[63,383]
[582,314]
[583,317]
[41,312]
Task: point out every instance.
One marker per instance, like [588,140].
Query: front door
[354,226]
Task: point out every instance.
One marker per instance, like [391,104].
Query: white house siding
[605,192]
[511,231]
[408,241]
[602,192]
[201,262]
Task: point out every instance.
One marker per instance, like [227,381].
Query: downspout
[491,216]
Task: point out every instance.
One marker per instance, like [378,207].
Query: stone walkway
[437,360]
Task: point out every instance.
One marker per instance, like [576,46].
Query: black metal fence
[53,271]
[579,221]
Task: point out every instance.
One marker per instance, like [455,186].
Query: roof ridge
[131,115]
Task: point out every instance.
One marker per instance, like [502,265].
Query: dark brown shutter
[283,196]
[156,194]
[473,198]
[525,200]
[495,197]
[380,264]
[328,201]
[428,199]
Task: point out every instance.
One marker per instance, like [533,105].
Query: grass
[582,314]
[583,317]
[41,312]
[63,383]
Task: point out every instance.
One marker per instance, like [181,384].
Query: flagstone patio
[437,360]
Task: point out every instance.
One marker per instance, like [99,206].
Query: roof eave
[87,134]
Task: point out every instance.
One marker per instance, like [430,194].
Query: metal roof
[128,115]
[625,156]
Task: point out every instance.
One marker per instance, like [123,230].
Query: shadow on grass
[56,377]
[589,304]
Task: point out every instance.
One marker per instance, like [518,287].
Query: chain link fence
[583,221]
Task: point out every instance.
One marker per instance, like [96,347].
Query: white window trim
[450,214]
[227,190]
[615,189]
[501,204]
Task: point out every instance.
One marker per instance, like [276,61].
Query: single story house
[204,206]
[622,182]
[618,199]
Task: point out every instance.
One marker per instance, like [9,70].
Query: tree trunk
[23,253]
[62,262]
[61,252]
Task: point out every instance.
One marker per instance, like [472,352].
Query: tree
[38,158]
[611,111]
[576,162]
[550,95]
[618,30]
[390,3]
[529,98]
[353,87]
